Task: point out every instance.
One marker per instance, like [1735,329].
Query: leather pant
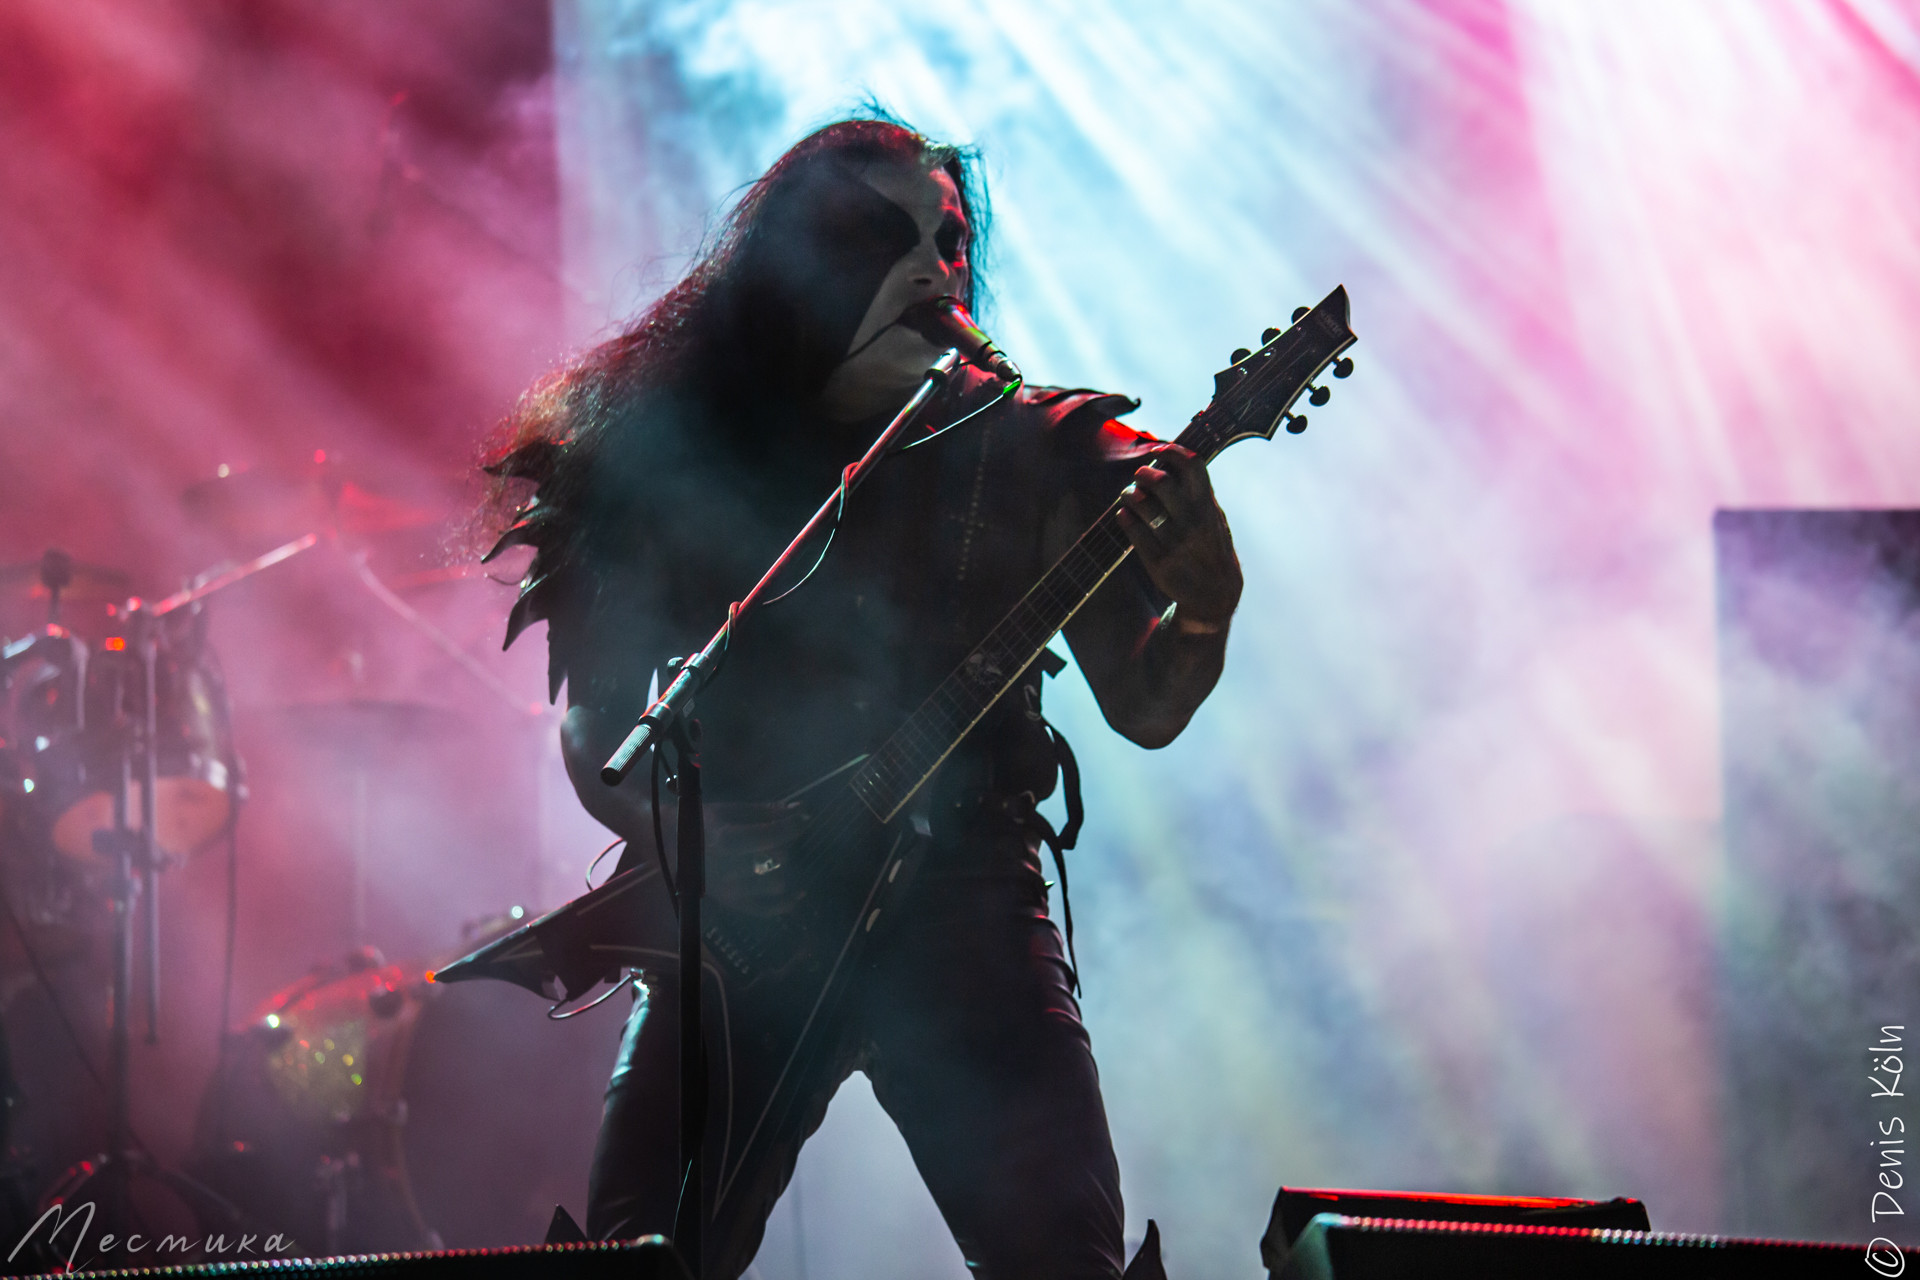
[963,1019]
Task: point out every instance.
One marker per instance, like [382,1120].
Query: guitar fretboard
[894,772]
[1248,401]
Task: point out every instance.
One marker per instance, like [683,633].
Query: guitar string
[892,761]
[1025,621]
[840,818]
[1024,629]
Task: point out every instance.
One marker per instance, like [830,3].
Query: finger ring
[1156,521]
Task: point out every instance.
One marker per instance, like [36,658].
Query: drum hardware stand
[134,880]
[536,712]
[56,572]
[136,861]
[669,716]
[359,809]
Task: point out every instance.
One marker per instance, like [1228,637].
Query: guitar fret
[920,744]
[920,741]
[912,742]
[1244,405]
[934,720]
[950,697]
[882,775]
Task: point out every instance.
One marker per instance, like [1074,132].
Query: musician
[669,466]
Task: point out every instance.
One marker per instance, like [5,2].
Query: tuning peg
[1296,423]
[1318,396]
[1268,335]
[1343,367]
[1239,354]
[1298,312]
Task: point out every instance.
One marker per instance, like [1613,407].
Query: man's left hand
[1181,536]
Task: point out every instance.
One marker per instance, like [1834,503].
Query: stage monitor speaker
[1335,1247]
[651,1258]
[1295,1207]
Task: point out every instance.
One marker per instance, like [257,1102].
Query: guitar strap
[1026,811]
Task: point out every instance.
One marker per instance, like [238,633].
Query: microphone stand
[668,716]
[691,886]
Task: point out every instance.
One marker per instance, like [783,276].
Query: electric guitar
[847,871]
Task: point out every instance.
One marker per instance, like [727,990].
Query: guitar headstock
[1255,394]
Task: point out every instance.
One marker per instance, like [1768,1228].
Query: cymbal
[259,504]
[89,604]
[356,723]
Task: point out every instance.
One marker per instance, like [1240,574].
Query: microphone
[945,323]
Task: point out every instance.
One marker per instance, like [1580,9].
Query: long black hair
[761,318]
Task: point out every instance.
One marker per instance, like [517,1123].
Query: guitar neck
[892,775]
[1251,397]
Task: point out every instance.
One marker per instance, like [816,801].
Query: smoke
[241,239]
[1425,896]
[1817,659]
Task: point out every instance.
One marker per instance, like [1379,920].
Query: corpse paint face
[885,363]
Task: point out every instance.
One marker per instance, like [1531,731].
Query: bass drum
[365,1109]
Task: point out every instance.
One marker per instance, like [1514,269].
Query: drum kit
[118,762]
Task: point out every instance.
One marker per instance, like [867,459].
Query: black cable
[237,794]
[59,1008]
[733,610]
[878,334]
[600,857]
[660,839]
[53,994]
[233,925]
[839,514]
[223,1040]
[1006,391]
